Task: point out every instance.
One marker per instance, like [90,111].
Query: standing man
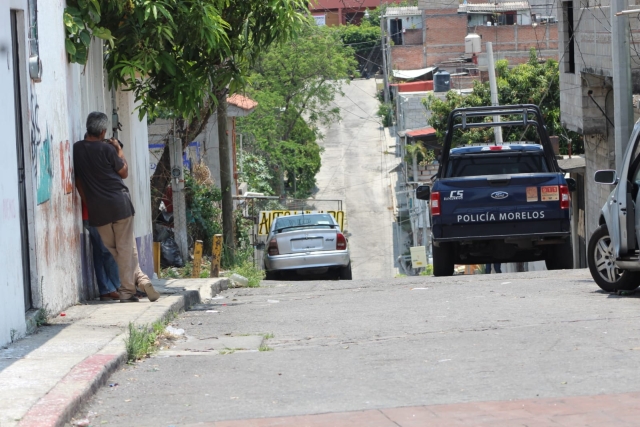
[496,268]
[100,167]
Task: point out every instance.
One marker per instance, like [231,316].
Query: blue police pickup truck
[499,202]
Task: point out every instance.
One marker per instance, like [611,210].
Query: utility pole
[497,131]
[177,188]
[383,40]
[226,178]
[621,70]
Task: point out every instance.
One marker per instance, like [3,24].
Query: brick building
[342,12]
[433,33]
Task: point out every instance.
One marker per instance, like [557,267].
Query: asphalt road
[356,170]
[364,344]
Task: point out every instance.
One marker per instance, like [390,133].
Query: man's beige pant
[118,238]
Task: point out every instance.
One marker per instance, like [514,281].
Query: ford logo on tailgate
[499,195]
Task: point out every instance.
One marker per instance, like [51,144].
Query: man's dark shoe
[132,299]
[111,296]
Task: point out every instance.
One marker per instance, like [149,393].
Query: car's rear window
[496,164]
[303,221]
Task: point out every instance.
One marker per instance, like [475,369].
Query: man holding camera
[100,167]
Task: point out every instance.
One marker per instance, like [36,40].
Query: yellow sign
[267,217]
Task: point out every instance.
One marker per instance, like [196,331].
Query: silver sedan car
[307,244]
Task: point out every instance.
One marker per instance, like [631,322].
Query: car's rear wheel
[442,260]
[345,272]
[560,257]
[601,260]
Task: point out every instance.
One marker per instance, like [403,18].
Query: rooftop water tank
[441,81]
[472,44]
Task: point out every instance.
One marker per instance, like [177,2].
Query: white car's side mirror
[606,176]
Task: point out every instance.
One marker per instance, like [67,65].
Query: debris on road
[174,331]
[238,280]
[273,301]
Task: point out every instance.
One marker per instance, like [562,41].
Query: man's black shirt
[96,164]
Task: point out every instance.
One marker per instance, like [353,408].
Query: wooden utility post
[216,255]
[157,250]
[197,260]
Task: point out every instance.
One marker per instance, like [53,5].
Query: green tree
[295,85]
[364,39]
[529,83]
[182,58]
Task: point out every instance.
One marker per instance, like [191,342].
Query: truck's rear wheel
[442,260]
[560,257]
[601,260]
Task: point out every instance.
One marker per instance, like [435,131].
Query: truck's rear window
[495,164]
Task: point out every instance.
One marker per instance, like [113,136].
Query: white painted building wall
[11,289]
[54,113]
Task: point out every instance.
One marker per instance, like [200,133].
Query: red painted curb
[61,402]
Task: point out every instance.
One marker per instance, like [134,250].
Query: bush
[386,112]
[248,270]
[204,213]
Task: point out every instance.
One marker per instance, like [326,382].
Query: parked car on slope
[612,253]
[307,244]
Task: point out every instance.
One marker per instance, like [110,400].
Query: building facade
[44,253]
[342,12]
[439,40]
[586,85]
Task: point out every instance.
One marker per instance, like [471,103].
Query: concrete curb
[61,402]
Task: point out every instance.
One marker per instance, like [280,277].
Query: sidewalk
[595,411]
[46,376]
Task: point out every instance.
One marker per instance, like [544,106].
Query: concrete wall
[593,71]
[54,112]
[12,301]
[412,114]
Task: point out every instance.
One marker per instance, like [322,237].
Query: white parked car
[307,244]
[612,254]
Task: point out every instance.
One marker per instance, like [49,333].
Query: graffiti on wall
[66,167]
[40,153]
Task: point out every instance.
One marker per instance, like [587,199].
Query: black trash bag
[170,254]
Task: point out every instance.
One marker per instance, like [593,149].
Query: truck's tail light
[565,199]
[273,247]
[341,242]
[435,203]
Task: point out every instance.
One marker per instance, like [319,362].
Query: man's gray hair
[96,123]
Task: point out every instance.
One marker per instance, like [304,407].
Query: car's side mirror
[572,184]
[606,176]
[423,192]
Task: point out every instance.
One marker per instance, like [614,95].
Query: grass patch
[428,270]
[268,336]
[264,347]
[142,341]
[228,350]
[42,316]
[252,273]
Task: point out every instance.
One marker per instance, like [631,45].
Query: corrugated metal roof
[402,11]
[494,7]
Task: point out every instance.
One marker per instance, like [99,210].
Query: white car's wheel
[601,260]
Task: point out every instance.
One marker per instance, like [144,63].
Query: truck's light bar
[496,148]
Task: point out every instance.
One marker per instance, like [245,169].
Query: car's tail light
[565,198]
[341,242]
[435,203]
[273,247]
